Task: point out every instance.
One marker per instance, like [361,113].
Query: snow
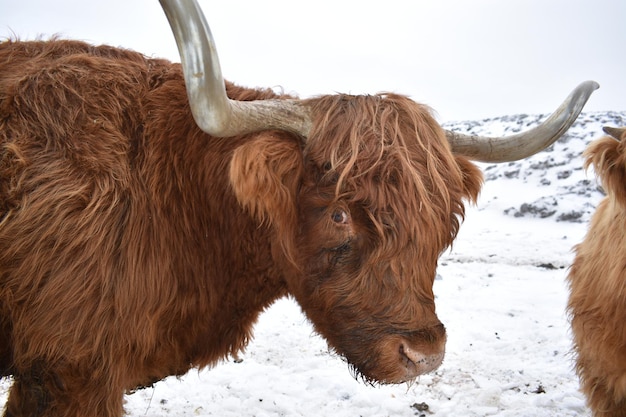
[501,292]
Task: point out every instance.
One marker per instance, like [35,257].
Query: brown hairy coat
[597,303]
[133,246]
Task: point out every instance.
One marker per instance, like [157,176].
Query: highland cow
[150,211]
[597,303]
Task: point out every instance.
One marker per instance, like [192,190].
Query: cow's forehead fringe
[390,155]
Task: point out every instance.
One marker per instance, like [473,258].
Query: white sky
[468,59]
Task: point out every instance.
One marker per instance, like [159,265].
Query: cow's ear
[472,178]
[265,174]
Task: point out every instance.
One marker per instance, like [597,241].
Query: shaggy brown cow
[597,302]
[135,245]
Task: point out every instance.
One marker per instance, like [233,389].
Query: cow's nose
[417,363]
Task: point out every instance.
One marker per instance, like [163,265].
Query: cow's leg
[47,393]
[24,400]
[30,394]
[6,349]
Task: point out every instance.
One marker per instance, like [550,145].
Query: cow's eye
[339,216]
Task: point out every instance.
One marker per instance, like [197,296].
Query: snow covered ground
[500,292]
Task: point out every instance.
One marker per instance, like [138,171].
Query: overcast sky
[468,59]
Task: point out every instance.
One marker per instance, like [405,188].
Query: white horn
[212,110]
[524,144]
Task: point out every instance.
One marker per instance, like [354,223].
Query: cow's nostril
[410,355]
[416,362]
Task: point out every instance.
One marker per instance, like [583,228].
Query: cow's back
[117,221]
[70,129]
[64,161]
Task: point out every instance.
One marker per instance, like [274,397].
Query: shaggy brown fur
[597,279]
[133,246]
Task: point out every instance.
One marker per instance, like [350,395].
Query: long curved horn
[212,110]
[219,116]
[525,144]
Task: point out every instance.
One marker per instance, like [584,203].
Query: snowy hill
[551,184]
[500,292]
